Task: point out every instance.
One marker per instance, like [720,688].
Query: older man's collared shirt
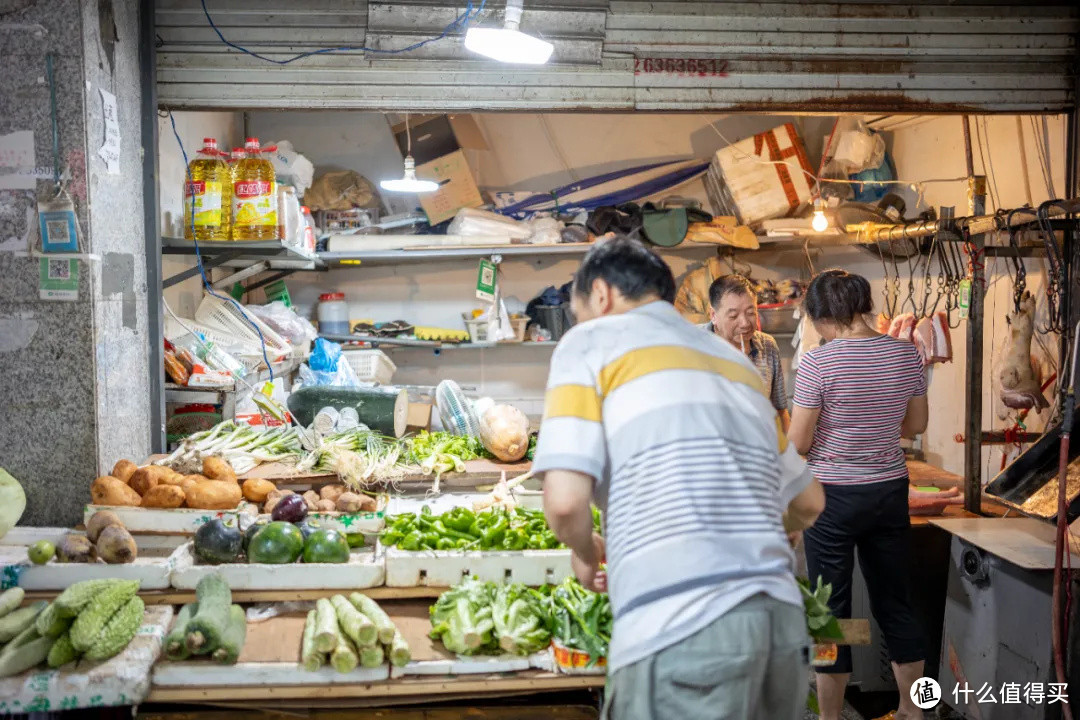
[765,354]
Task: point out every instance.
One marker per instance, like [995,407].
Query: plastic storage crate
[371,365]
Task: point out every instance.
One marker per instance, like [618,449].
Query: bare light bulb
[819,222]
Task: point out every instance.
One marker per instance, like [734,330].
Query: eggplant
[291,508]
[217,542]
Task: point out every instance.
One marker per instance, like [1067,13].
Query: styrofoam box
[205,674]
[444,568]
[363,570]
[464,665]
[177,521]
[151,568]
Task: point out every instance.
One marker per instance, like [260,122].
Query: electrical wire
[460,22]
[198,256]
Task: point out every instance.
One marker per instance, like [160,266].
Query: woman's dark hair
[727,285]
[837,296]
[628,265]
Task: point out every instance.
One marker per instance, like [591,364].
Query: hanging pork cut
[883,322]
[941,348]
[902,326]
[1019,386]
[923,337]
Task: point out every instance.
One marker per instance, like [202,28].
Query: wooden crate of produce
[363,570]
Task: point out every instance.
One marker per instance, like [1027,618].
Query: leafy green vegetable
[522,619]
[582,619]
[461,618]
[820,622]
[464,447]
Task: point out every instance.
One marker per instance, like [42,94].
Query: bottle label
[254,203]
[207,197]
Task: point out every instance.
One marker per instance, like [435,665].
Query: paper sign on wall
[110,149]
[59,279]
[17,161]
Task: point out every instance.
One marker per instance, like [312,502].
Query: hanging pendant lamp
[409,183]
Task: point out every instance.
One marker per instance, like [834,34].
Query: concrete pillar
[74,375]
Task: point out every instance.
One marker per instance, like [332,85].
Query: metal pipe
[1023,159]
[973,397]
[968,158]
[977,224]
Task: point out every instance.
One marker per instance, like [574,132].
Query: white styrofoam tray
[178,521]
[445,568]
[121,680]
[400,504]
[363,570]
[151,568]
[205,674]
[352,523]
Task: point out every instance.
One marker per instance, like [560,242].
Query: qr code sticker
[59,270]
[57,230]
[487,276]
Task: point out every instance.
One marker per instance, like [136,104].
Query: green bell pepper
[411,541]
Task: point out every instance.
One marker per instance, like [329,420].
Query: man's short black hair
[727,285]
[838,296]
[628,265]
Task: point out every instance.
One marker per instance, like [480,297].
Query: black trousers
[873,519]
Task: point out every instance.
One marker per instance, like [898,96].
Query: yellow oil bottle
[254,202]
[208,191]
[235,156]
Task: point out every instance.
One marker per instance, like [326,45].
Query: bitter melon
[99,611]
[62,652]
[70,602]
[50,623]
[118,632]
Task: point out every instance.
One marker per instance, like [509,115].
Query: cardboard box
[762,177]
[435,136]
[457,187]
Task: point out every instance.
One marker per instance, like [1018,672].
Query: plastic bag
[285,322]
[481,223]
[292,168]
[545,231]
[340,190]
[327,366]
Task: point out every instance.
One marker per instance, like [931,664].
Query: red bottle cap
[331,296]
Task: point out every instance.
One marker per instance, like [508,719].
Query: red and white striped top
[862,386]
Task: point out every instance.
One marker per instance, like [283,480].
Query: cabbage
[461,617]
[521,619]
[12,502]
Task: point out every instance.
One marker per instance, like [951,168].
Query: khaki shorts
[751,664]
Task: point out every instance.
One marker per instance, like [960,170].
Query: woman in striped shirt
[855,397]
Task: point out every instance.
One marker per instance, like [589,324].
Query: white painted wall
[192,127]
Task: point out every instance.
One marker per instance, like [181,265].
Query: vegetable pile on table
[462,529]
[361,458]
[351,632]
[241,446]
[478,618]
[273,542]
[212,485]
[94,620]
[211,625]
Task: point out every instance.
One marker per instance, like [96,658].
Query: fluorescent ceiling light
[508,44]
[410,183]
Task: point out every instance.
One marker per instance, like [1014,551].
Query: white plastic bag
[285,322]
[291,167]
[471,222]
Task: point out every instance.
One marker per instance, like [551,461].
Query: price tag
[485,281]
[965,297]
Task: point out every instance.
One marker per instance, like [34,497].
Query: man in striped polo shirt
[671,432]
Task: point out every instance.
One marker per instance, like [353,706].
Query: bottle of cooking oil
[235,156]
[210,186]
[254,207]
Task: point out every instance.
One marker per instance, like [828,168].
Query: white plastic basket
[371,365]
[477,328]
[226,316]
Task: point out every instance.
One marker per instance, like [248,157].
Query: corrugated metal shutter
[728,56]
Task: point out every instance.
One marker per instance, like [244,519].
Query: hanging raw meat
[902,326]
[941,347]
[883,322]
[1019,387]
[923,337]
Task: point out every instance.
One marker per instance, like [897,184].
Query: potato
[123,470]
[257,490]
[116,546]
[107,490]
[99,521]
[216,468]
[147,477]
[270,503]
[331,492]
[326,506]
[279,493]
[349,502]
[173,478]
[164,496]
[368,504]
[189,481]
[75,548]
[214,495]
[311,498]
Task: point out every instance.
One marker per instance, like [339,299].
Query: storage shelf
[435,254]
[271,254]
